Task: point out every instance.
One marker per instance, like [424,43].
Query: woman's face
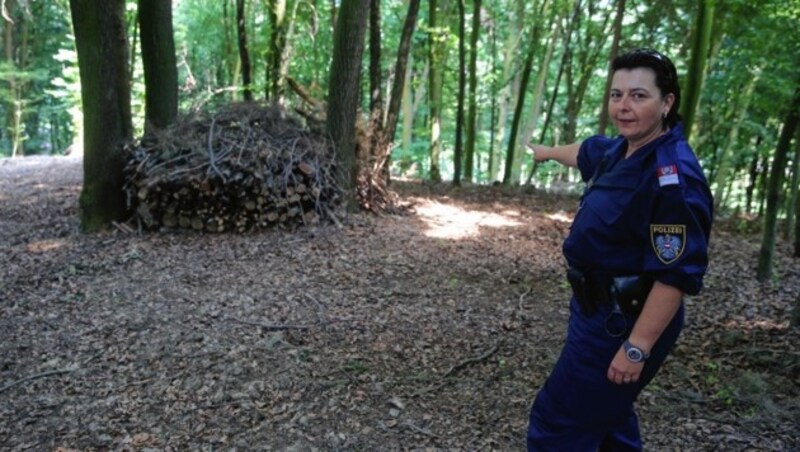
[636,105]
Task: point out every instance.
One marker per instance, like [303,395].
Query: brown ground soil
[429,331]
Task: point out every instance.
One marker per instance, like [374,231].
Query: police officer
[638,243]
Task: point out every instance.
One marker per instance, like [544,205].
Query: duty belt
[592,290]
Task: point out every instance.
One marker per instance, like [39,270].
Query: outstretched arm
[566,154]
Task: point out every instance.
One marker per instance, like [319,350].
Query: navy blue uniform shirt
[650,213]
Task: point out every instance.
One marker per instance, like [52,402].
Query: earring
[664,115]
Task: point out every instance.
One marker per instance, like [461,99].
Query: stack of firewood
[241,168]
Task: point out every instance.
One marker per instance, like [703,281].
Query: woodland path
[428,331]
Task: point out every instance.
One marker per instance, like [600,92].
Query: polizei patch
[669,241]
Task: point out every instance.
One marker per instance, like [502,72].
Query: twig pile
[243,167]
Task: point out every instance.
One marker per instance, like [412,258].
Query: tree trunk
[244,52]
[726,156]
[587,56]
[603,122]
[794,188]
[160,66]
[697,66]
[13,105]
[565,59]
[458,158]
[473,88]
[510,175]
[343,92]
[375,79]
[105,91]
[401,78]
[774,189]
[435,91]
[278,58]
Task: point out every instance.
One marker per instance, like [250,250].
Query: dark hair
[666,76]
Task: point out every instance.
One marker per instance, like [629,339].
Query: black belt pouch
[577,280]
[630,292]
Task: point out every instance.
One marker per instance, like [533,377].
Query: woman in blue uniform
[638,243]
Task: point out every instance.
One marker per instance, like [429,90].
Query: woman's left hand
[622,371]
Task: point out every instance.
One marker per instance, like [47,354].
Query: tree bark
[102,47]
[792,211]
[774,188]
[434,91]
[458,156]
[375,79]
[509,175]
[343,93]
[740,105]
[13,105]
[160,66]
[697,66]
[472,112]
[244,52]
[277,51]
[401,78]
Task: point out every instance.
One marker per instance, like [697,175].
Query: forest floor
[427,331]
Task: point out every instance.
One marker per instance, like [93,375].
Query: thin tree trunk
[700,45]
[740,107]
[434,91]
[473,88]
[565,58]
[160,66]
[603,122]
[794,188]
[244,52]
[343,92]
[751,186]
[278,57]
[375,96]
[459,151]
[774,189]
[402,76]
[510,175]
[105,92]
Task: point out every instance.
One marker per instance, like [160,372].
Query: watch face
[634,355]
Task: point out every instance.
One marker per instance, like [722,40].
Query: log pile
[241,168]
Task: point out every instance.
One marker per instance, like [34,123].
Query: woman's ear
[669,101]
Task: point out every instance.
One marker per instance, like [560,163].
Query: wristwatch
[634,353]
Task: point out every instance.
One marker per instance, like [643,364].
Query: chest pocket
[612,195]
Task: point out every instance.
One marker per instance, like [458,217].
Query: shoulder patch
[667,175]
[668,240]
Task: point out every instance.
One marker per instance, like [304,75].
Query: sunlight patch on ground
[757,324]
[43,246]
[560,216]
[447,221]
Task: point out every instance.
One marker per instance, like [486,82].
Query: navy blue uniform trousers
[578,408]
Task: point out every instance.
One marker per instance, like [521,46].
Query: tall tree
[794,191]
[701,41]
[277,56]
[16,53]
[343,94]
[435,57]
[401,78]
[159,62]
[509,177]
[244,51]
[105,91]
[603,122]
[375,79]
[776,176]
[458,158]
[469,157]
